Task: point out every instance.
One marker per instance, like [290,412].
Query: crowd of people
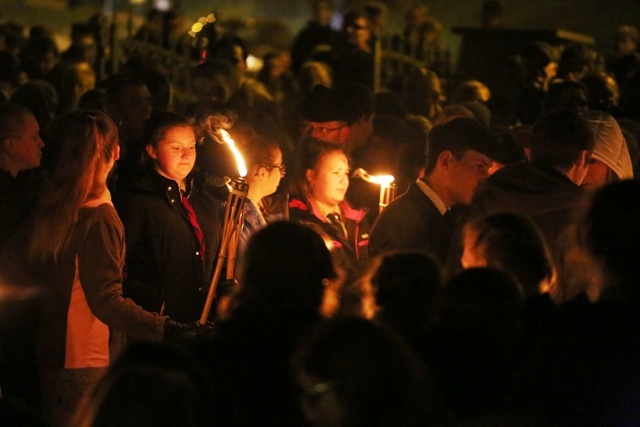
[500,287]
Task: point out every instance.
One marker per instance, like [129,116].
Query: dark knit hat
[355,99]
[347,102]
[323,105]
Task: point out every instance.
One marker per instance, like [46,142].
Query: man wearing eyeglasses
[340,115]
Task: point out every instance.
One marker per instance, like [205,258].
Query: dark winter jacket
[84,315]
[545,195]
[19,195]
[351,252]
[165,270]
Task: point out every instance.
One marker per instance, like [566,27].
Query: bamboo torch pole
[231,227]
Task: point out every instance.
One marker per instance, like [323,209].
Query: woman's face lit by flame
[175,155]
[329,181]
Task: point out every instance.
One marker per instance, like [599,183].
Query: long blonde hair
[88,140]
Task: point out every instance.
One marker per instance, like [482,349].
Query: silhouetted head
[284,266]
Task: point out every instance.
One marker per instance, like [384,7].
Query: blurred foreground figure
[597,340]
[286,270]
[352,373]
[150,385]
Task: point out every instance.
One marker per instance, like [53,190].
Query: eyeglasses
[282,168]
[323,130]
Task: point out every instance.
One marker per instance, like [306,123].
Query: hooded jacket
[611,147]
[543,194]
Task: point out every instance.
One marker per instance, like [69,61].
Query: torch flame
[382,180]
[242,168]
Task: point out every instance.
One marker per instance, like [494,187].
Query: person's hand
[226,287]
[182,332]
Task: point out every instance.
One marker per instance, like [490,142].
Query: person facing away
[567,95]
[75,253]
[474,352]
[170,379]
[610,160]
[172,224]
[548,189]
[512,243]
[458,158]
[21,179]
[283,280]
[408,295]
[596,338]
[350,372]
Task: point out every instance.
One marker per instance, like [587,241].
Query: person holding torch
[318,201]
[74,254]
[172,224]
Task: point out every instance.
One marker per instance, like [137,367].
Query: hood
[611,147]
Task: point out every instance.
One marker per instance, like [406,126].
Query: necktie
[336,220]
[193,220]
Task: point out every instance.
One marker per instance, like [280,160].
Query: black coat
[19,196]
[308,38]
[163,262]
[412,223]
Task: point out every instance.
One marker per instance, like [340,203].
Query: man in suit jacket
[458,157]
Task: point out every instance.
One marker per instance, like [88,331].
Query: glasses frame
[282,168]
[323,130]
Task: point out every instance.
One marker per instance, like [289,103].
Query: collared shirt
[435,199]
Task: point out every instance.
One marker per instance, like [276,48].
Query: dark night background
[597,18]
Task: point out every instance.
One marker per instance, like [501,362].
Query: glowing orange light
[387,188]
[242,168]
[382,180]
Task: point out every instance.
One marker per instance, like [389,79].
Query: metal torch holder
[231,229]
